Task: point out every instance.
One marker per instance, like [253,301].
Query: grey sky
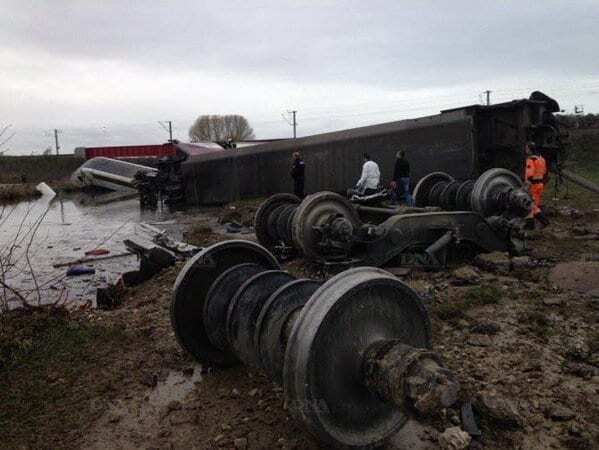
[105,72]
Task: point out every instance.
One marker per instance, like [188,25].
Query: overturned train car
[464,142]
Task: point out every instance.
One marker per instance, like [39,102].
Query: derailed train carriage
[463,142]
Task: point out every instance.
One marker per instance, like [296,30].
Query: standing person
[297,173]
[536,177]
[371,176]
[400,184]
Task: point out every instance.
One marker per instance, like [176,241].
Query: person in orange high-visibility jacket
[536,177]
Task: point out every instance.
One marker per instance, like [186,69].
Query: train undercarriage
[451,219]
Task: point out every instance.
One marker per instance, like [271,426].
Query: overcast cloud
[104,72]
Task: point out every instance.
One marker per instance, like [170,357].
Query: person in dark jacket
[400,184]
[297,173]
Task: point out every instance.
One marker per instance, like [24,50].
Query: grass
[537,323]
[13,193]
[582,160]
[37,168]
[474,296]
[49,383]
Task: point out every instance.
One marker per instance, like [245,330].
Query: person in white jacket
[371,177]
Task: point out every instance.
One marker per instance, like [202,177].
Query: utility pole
[293,123]
[56,141]
[488,94]
[170,129]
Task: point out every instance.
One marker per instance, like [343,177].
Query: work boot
[529,224]
[542,218]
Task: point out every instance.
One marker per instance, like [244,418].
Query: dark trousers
[298,187]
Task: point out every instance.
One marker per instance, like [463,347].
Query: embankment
[35,169]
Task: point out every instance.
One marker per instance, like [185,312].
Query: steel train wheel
[217,302]
[447,199]
[263,214]
[424,186]
[488,185]
[462,196]
[315,210]
[274,317]
[245,307]
[322,374]
[192,286]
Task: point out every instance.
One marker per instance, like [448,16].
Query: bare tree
[220,128]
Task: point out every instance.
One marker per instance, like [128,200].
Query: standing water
[38,234]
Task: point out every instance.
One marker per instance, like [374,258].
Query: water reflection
[38,234]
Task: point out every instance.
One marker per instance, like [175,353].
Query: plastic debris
[79,270]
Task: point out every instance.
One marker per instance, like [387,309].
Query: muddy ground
[521,335]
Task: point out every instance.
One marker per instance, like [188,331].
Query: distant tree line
[579,121]
[220,128]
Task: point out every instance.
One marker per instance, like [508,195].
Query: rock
[494,261]
[567,211]
[114,417]
[501,262]
[578,276]
[582,370]
[231,215]
[480,341]
[522,261]
[485,328]
[240,443]
[454,438]
[180,417]
[399,271]
[560,413]
[553,301]
[580,230]
[234,393]
[149,379]
[577,349]
[574,430]
[225,427]
[219,438]
[253,392]
[499,409]
[593,294]
[465,275]
[173,406]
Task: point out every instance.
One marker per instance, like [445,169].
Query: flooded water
[36,235]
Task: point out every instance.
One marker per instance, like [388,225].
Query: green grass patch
[49,376]
[537,323]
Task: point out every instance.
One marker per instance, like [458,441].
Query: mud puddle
[130,422]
